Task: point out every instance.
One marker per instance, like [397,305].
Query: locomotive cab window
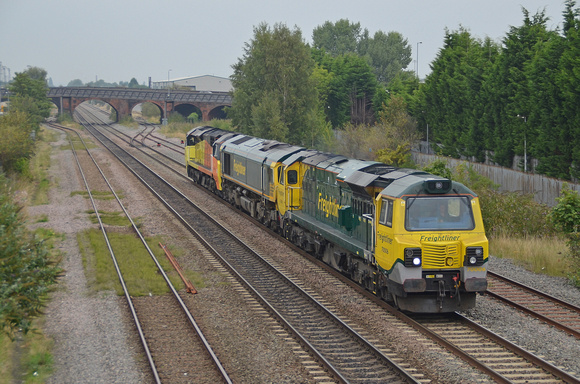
[436,213]
[386,217]
[226,164]
[292,177]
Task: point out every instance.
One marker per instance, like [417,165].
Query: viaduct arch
[123,100]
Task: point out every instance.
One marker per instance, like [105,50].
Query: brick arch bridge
[123,100]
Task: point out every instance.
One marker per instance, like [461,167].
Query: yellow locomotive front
[431,244]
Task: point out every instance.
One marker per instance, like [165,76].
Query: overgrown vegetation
[27,269]
[28,262]
[99,195]
[151,113]
[66,120]
[547,255]
[566,217]
[117,219]
[139,270]
[37,174]
[127,121]
[30,356]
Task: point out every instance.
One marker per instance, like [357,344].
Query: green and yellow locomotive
[410,237]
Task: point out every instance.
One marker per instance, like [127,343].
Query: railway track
[155,338]
[549,309]
[340,350]
[504,361]
[493,355]
[510,365]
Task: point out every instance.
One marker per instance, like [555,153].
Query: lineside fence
[545,189]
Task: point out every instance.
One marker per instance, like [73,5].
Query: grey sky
[116,40]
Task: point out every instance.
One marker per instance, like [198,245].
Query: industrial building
[205,83]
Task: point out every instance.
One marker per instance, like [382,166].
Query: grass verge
[28,359]
[117,219]
[37,360]
[540,255]
[6,358]
[139,271]
[99,195]
[39,165]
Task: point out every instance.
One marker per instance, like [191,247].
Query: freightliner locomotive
[412,238]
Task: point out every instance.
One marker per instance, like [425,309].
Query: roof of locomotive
[342,166]
[258,149]
[198,131]
[409,182]
[359,174]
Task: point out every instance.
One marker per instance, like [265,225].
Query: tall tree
[388,54]
[451,93]
[338,38]
[273,81]
[397,132]
[352,88]
[511,110]
[134,83]
[502,103]
[16,143]
[405,84]
[29,91]
[568,81]
[548,138]
[75,83]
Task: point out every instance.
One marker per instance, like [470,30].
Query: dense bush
[566,217]
[176,117]
[26,271]
[150,110]
[514,214]
[65,118]
[17,144]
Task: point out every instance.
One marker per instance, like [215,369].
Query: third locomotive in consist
[410,237]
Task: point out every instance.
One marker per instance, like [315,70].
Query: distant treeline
[102,83]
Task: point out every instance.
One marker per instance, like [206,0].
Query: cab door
[384,249]
[280,181]
[292,176]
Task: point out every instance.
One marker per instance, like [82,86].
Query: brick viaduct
[208,105]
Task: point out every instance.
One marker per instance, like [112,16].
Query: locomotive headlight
[412,257]
[473,256]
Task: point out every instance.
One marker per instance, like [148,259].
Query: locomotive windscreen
[439,213]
